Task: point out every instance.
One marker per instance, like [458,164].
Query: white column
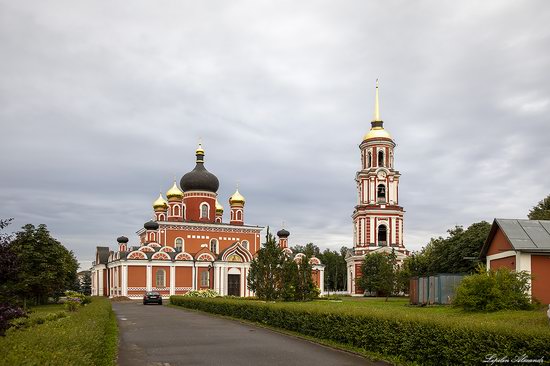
[193,275]
[148,273]
[243,279]
[372,230]
[125,280]
[100,284]
[172,279]
[322,280]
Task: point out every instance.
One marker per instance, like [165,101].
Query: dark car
[152,297]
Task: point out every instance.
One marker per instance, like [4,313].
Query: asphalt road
[163,336]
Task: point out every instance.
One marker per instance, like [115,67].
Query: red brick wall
[184,277]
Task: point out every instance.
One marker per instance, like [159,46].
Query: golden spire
[174,192]
[376,105]
[160,203]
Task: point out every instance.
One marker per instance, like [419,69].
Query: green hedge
[413,339]
[86,337]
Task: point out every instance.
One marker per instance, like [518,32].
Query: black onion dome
[199,179]
[122,239]
[283,233]
[151,225]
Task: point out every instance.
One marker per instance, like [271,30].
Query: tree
[457,253]
[9,266]
[86,284]
[47,267]
[305,287]
[378,273]
[265,275]
[309,250]
[335,268]
[541,211]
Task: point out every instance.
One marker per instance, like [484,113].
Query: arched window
[214,246]
[244,243]
[205,279]
[176,210]
[369,160]
[179,244]
[239,215]
[152,237]
[204,211]
[382,235]
[161,278]
[380,158]
[381,193]
[162,217]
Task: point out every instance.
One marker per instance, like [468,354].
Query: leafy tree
[378,273]
[47,267]
[86,284]
[335,268]
[309,250]
[492,290]
[265,270]
[305,287]
[456,253]
[541,211]
[9,270]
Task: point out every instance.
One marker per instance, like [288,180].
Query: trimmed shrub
[87,337]
[436,341]
[202,293]
[492,290]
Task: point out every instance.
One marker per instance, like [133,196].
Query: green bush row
[424,341]
[86,337]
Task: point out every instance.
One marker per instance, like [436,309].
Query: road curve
[163,336]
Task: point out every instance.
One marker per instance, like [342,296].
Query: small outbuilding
[522,245]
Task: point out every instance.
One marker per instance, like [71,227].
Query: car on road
[152,297]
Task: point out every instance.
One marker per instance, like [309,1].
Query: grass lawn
[88,336]
[532,319]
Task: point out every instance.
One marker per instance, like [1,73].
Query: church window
[239,215]
[161,278]
[204,211]
[380,158]
[382,235]
[369,160]
[244,243]
[214,246]
[179,244]
[205,279]
[381,193]
[162,217]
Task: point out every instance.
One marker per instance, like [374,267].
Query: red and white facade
[377,218]
[187,247]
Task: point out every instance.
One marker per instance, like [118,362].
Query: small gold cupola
[236,198]
[160,204]
[377,125]
[219,208]
[174,192]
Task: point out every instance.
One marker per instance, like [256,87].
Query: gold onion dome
[160,203]
[236,198]
[377,132]
[219,208]
[174,192]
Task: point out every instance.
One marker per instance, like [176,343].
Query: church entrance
[234,285]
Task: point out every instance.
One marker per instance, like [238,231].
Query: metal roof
[523,235]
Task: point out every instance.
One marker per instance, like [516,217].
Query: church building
[188,245]
[377,218]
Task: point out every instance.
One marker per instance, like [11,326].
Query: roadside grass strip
[86,337]
[426,336]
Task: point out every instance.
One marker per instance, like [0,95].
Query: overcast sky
[102,104]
